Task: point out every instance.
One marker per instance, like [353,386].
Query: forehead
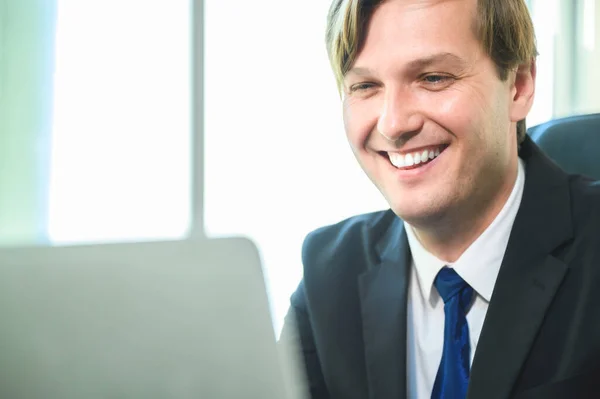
[411,29]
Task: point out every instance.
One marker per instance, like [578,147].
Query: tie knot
[449,283]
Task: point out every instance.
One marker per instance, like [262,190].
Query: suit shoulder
[585,194]
[586,185]
[345,239]
[585,210]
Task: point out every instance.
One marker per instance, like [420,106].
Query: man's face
[425,112]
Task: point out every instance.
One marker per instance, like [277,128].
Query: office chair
[572,142]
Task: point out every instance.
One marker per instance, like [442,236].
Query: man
[481,279]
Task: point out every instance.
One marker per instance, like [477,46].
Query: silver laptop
[180,319]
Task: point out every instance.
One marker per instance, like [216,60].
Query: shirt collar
[425,263]
[480,264]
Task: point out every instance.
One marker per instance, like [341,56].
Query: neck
[449,237]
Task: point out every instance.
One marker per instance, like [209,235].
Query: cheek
[357,124]
[461,112]
[454,111]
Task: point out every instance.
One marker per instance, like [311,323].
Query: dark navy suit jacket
[541,334]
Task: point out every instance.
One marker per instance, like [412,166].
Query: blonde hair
[504,28]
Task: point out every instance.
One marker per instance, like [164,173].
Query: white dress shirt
[478,266]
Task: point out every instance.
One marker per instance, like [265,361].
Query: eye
[361,87]
[437,81]
[436,78]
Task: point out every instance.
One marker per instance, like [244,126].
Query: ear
[522,91]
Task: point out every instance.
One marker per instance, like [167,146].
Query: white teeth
[397,159]
[401,161]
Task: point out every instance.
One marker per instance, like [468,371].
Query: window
[120,157]
[277,161]
[568,33]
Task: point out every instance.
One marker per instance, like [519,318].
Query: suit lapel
[383,292]
[528,279]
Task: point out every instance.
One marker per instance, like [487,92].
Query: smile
[415,159]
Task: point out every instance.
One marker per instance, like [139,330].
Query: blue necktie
[452,378]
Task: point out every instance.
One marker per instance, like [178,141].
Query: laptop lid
[179,319]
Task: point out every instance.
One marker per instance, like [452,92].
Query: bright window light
[589,24]
[277,161]
[120,165]
[545,21]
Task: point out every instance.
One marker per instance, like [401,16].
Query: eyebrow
[439,58]
[417,64]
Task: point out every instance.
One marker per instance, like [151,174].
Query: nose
[399,116]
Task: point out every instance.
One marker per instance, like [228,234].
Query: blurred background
[96,121]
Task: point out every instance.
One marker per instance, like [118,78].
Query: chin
[419,212]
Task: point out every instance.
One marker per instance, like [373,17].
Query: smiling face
[426,114]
